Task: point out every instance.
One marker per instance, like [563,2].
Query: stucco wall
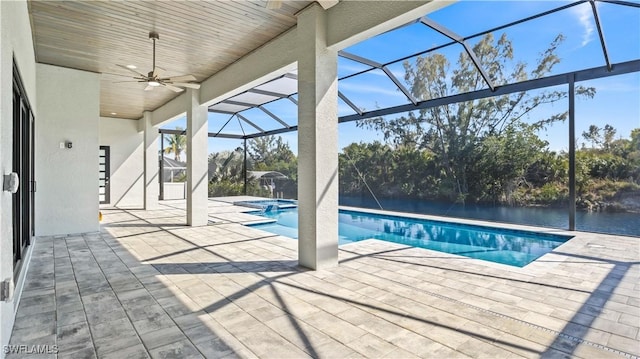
[126,150]
[68,110]
[15,42]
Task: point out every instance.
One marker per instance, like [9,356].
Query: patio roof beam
[273,132]
[382,67]
[397,82]
[249,122]
[620,2]
[241,127]
[210,134]
[494,29]
[267,93]
[584,75]
[459,39]
[239,103]
[398,60]
[172,132]
[290,97]
[562,79]
[600,33]
[273,116]
[221,111]
[523,20]
[225,135]
[349,103]
[360,59]
[225,125]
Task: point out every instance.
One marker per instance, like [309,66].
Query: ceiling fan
[153,78]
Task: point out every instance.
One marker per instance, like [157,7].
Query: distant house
[267,179]
[172,169]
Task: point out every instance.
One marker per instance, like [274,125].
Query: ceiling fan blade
[157,71]
[132,70]
[181,78]
[172,88]
[186,84]
[149,88]
[121,82]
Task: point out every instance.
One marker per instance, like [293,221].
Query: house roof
[169,163]
[266,175]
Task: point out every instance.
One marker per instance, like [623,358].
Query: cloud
[616,86]
[352,69]
[371,89]
[584,15]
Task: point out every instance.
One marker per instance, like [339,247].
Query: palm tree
[226,165]
[177,144]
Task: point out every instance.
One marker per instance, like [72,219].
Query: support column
[161,164]
[151,162]
[572,154]
[244,168]
[197,147]
[317,142]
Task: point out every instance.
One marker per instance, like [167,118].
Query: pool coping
[571,235]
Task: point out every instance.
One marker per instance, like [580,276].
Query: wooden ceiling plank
[203,38]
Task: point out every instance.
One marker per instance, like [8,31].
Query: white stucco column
[197,147]
[151,162]
[317,142]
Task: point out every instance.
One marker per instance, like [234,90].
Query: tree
[177,144]
[503,162]
[608,136]
[366,164]
[226,177]
[271,153]
[226,165]
[454,133]
[597,138]
[592,135]
[269,150]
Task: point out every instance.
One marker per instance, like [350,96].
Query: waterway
[601,222]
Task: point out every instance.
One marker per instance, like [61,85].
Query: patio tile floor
[147,286]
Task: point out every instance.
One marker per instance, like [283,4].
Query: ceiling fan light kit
[153,78]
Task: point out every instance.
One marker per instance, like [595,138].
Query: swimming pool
[506,246]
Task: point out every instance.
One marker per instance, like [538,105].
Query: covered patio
[147,285]
[188,278]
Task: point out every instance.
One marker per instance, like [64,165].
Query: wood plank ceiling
[196,37]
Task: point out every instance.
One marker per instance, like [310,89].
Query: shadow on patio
[226,290]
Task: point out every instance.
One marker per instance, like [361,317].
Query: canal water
[602,222]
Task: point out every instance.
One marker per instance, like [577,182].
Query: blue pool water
[506,246]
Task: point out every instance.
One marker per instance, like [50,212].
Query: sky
[617,99]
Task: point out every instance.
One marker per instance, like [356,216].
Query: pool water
[506,246]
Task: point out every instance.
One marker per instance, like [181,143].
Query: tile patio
[148,286]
